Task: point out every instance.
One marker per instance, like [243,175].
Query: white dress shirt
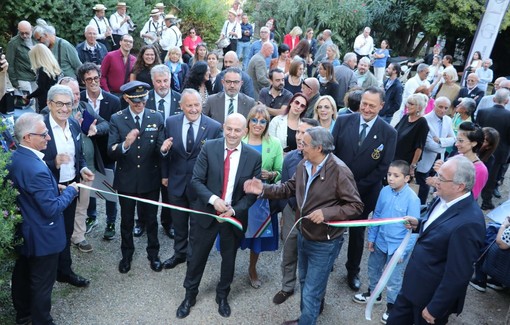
[440,208]
[64,143]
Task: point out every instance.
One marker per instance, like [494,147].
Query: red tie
[226,171]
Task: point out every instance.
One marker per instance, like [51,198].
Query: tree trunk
[418,48]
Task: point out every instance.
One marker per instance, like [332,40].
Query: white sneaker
[384,317]
[362,298]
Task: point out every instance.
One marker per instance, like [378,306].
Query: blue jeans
[243,49]
[376,263]
[315,260]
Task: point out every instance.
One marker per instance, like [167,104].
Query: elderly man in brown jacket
[325,191]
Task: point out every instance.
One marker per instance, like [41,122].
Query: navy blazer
[51,150]
[41,204]
[208,180]
[476,94]
[441,264]
[392,98]
[499,118]
[178,165]
[109,105]
[174,107]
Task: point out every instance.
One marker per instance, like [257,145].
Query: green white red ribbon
[233,221]
[364,223]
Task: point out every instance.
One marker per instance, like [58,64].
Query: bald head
[310,87]
[267,49]
[498,82]
[326,34]
[230,59]
[25,29]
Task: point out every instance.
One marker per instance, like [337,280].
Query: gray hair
[321,137]
[160,69]
[233,70]
[450,73]
[191,91]
[60,90]
[365,60]
[42,28]
[90,27]
[444,99]
[501,96]
[469,104]
[490,60]
[349,56]
[26,124]
[422,66]
[464,172]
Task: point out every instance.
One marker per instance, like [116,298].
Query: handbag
[497,264]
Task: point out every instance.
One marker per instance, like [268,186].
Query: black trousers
[146,212]
[404,312]
[202,242]
[492,182]
[64,259]
[165,214]
[231,47]
[32,283]
[182,224]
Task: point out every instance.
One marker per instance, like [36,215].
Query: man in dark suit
[64,157]
[367,146]
[471,90]
[230,60]
[220,191]
[393,92]
[450,238]
[230,100]
[104,104]
[167,105]
[42,229]
[499,118]
[178,165]
[137,143]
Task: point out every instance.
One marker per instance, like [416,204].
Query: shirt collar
[452,202]
[239,146]
[39,154]
[133,114]
[100,97]
[54,123]
[370,123]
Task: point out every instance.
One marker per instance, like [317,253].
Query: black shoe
[169,231]
[173,262]
[223,307]
[354,282]
[156,265]
[124,266]
[323,301]
[74,280]
[487,206]
[281,296]
[185,307]
[138,230]
[24,320]
[496,193]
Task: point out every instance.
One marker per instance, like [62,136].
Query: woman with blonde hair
[259,139]
[178,69]
[292,38]
[46,67]
[325,112]
[332,55]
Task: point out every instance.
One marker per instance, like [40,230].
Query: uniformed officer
[136,141]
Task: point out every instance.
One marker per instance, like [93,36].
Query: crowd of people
[298,133]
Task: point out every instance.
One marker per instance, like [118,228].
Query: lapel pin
[375,136]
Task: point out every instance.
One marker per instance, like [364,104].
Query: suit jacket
[441,264]
[139,168]
[178,165]
[370,162]
[432,148]
[476,94]
[257,70]
[246,88]
[215,106]
[108,106]
[41,204]
[346,78]
[174,106]
[208,176]
[392,98]
[499,118]
[51,150]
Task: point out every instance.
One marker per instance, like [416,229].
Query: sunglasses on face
[257,121]
[299,104]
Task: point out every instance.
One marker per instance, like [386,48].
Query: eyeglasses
[304,83]
[232,82]
[90,79]
[444,180]
[44,134]
[297,102]
[60,104]
[257,121]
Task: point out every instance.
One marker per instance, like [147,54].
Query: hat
[99,7]
[136,91]
[154,12]
[159,5]
[233,12]
[121,4]
[170,16]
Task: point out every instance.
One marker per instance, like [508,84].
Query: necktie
[363,133]
[226,171]
[137,122]
[161,107]
[190,138]
[231,106]
[440,130]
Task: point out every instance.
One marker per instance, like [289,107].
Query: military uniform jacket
[139,168]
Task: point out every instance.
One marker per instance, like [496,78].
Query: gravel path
[146,297]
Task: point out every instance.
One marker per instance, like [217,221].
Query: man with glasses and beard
[20,73]
[275,97]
